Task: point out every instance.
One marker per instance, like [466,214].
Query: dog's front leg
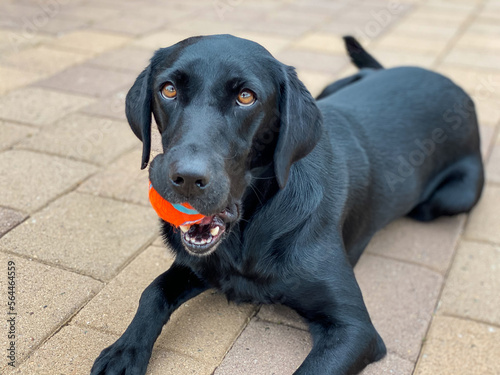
[130,354]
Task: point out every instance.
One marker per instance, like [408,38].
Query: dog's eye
[168,90]
[245,98]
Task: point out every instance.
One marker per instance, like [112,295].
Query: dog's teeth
[185,228]
[214,231]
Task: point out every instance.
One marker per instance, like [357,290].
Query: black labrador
[294,188]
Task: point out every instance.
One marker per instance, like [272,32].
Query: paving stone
[484,219]
[41,307]
[12,133]
[473,284]
[321,62]
[429,14]
[9,219]
[400,298]
[13,78]
[89,80]
[74,349]
[122,180]
[479,83]
[482,26]
[112,106]
[90,235]
[89,13]
[487,133]
[478,41]
[315,81]
[196,26]
[90,41]
[265,348]
[422,45]
[82,137]
[323,42]
[205,327]
[283,29]
[485,59]
[30,180]
[391,59]
[135,25]
[391,364]
[493,165]
[429,30]
[13,40]
[114,307]
[280,314]
[460,347]
[127,58]
[160,39]
[42,60]
[430,244]
[274,44]
[487,109]
[39,106]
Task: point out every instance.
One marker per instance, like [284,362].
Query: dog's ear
[138,108]
[300,125]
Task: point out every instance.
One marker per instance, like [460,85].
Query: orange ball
[175,214]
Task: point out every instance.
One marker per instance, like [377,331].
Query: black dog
[293,188]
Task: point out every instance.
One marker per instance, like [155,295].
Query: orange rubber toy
[175,214]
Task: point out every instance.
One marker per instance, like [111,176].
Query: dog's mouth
[203,237]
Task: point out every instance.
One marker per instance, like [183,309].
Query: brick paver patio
[74,215]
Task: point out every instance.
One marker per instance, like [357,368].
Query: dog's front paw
[122,358]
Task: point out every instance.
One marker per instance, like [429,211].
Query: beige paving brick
[89,41]
[316,61]
[478,41]
[430,244]
[400,298]
[480,83]
[196,26]
[74,349]
[460,347]
[112,106]
[135,26]
[429,14]
[114,307]
[403,58]
[12,41]
[281,28]
[83,137]
[419,29]
[484,219]
[315,81]
[274,44]
[473,284]
[42,60]
[488,111]
[487,133]
[265,348]
[205,327]
[127,58]
[12,133]
[9,219]
[160,39]
[493,165]
[323,42]
[91,235]
[41,307]
[13,78]
[122,180]
[39,106]
[88,12]
[29,180]
[421,45]
[484,26]
[391,364]
[89,80]
[485,59]
[280,314]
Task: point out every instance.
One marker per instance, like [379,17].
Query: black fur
[308,184]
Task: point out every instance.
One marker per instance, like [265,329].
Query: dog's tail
[359,56]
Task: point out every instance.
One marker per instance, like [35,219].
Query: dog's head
[225,109]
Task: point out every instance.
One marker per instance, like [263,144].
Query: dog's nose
[189,179]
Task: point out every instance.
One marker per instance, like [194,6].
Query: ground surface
[74,215]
